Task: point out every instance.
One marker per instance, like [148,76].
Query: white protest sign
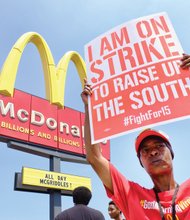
[136,79]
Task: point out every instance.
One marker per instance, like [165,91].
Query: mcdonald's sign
[54,126]
[54,180]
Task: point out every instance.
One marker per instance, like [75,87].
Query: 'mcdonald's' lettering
[37,118]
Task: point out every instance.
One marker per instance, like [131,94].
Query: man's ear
[141,162]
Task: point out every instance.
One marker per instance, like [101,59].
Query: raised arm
[93,152]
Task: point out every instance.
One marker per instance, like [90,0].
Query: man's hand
[185,61]
[86,92]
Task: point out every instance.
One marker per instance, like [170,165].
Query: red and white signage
[34,120]
[136,79]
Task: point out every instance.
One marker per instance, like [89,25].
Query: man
[114,212]
[80,210]
[166,200]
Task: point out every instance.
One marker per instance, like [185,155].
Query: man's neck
[164,183]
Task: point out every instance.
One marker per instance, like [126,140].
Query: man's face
[155,156]
[113,211]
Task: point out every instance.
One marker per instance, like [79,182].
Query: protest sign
[136,79]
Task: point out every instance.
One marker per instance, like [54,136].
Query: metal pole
[55,195]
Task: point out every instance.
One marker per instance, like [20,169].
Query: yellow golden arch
[55,77]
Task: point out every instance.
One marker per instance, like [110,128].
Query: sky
[66,26]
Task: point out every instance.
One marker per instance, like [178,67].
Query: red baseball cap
[150,132]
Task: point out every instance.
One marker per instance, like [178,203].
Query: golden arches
[55,77]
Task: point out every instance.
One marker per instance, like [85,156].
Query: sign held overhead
[136,79]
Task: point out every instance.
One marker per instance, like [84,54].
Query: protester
[166,200]
[80,211]
[114,212]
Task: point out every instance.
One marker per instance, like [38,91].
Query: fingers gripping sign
[87,90]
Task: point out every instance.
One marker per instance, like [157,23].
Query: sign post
[55,195]
[52,182]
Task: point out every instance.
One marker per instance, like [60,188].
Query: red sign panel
[34,120]
[69,132]
[14,117]
[43,122]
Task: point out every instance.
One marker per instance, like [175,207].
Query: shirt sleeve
[122,190]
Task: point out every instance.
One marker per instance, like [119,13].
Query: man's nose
[154,152]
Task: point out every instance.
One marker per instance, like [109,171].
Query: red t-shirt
[137,202]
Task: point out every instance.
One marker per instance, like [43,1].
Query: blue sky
[69,25]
